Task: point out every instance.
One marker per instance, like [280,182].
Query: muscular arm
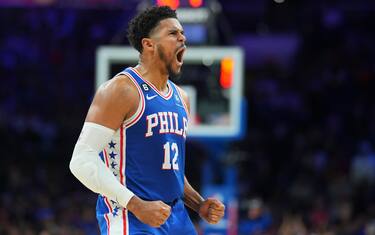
[114,102]
[191,197]
[105,115]
[210,209]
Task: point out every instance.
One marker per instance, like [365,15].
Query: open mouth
[180,54]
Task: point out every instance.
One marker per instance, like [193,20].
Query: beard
[173,75]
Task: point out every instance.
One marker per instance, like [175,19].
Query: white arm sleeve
[90,170]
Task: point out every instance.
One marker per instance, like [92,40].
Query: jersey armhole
[141,105]
[182,99]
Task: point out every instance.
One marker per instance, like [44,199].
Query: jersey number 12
[168,164]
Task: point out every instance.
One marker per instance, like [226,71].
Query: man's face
[170,45]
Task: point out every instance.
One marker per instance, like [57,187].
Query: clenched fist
[153,213]
[212,210]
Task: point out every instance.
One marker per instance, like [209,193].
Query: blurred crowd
[47,60]
[306,165]
[309,158]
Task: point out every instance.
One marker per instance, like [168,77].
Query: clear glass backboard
[212,76]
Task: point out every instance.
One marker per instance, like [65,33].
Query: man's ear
[147,44]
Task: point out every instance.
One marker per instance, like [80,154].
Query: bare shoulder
[185,96]
[118,87]
[182,92]
[114,101]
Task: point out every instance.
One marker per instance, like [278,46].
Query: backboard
[212,76]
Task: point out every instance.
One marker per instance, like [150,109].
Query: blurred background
[305,163]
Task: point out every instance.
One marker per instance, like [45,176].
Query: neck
[152,73]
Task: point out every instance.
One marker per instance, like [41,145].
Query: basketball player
[137,122]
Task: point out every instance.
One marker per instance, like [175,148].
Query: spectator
[258,221]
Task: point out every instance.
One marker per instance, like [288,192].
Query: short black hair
[141,26]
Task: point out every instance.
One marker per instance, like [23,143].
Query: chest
[163,116]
